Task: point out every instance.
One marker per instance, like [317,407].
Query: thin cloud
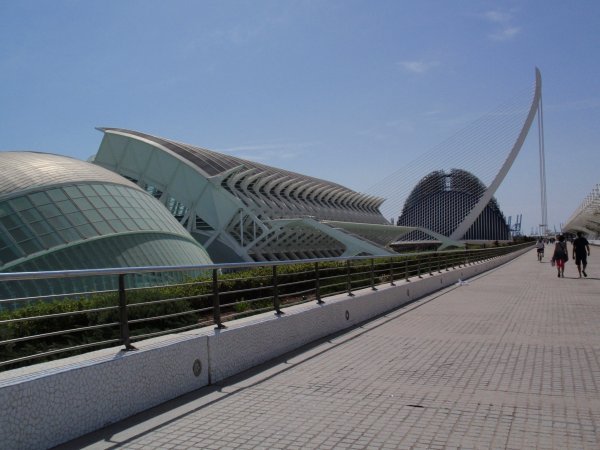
[497,16]
[504,19]
[505,34]
[418,66]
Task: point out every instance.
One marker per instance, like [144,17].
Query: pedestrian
[540,249]
[560,256]
[581,250]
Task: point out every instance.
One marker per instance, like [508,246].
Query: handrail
[47,327]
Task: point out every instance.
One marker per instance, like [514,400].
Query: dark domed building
[441,201]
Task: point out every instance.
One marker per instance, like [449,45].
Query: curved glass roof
[20,171]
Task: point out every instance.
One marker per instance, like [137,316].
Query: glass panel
[104,228]
[40,198]
[118,225]
[83,204]
[73,192]
[123,202]
[31,215]
[70,235]
[41,227]
[87,190]
[97,202]
[8,254]
[49,211]
[20,234]
[59,223]
[93,216]
[57,195]
[31,246]
[67,206]
[112,190]
[5,210]
[87,231]
[110,201]
[51,240]
[76,218]
[10,222]
[130,224]
[21,203]
[101,190]
[121,213]
[107,213]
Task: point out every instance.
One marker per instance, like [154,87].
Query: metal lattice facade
[441,201]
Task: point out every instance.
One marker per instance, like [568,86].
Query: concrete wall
[50,403]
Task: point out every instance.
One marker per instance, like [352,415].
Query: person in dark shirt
[581,250]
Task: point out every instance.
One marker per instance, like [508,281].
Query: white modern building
[241,210]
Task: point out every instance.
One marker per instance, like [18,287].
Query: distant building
[59,213]
[241,210]
[441,201]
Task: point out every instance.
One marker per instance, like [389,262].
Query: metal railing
[34,329]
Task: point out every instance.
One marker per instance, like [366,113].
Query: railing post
[392,272]
[419,267]
[318,284]
[429,261]
[276,304]
[439,264]
[406,270]
[123,322]
[373,288]
[348,281]
[216,301]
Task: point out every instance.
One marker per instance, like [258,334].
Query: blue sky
[349,91]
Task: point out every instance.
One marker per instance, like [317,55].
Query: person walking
[581,250]
[540,249]
[560,256]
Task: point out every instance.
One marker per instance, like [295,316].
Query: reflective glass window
[31,246]
[41,227]
[20,234]
[111,202]
[40,198]
[59,223]
[76,218]
[10,222]
[120,212]
[8,254]
[66,206]
[49,211]
[5,210]
[104,228]
[87,231]
[83,204]
[100,190]
[93,216]
[70,235]
[31,215]
[21,203]
[87,190]
[97,202]
[73,192]
[107,213]
[57,195]
[51,240]
[118,225]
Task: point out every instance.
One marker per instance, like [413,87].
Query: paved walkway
[509,360]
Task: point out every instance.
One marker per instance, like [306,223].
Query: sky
[345,90]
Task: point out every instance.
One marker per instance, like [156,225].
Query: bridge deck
[509,360]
